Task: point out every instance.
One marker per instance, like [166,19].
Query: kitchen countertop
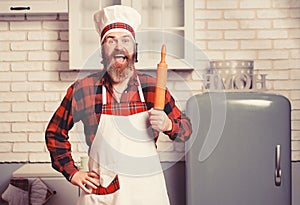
[39,169]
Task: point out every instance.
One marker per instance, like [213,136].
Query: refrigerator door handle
[277,166]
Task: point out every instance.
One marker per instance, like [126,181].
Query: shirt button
[126,91]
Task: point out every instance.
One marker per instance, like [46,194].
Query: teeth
[120,56]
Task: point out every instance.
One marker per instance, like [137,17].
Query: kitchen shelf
[36,6]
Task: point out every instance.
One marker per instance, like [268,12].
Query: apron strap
[140,90]
[103,95]
[104,101]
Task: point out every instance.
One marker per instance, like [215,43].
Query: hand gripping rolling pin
[161,81]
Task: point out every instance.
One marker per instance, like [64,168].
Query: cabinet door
[163,22]
[38,6]
[83,38]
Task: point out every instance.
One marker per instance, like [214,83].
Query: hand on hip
[85,180]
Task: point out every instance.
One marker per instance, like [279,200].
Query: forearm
[181,129]
[60,153]
[56,137]
[181,125]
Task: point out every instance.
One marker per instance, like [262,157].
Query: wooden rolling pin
[161,81]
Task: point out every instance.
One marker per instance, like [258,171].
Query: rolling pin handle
[163,54]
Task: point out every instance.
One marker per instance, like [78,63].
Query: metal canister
[230,75]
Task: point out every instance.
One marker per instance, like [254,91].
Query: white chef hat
[117,18]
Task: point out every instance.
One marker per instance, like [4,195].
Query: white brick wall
[267,32]
[29,59]
[34,73]
[42,35]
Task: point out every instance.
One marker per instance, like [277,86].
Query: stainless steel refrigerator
[240,149]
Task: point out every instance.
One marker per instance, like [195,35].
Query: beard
[118,72]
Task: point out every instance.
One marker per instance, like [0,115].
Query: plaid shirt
[83,102]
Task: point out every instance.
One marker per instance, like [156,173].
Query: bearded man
[121,127]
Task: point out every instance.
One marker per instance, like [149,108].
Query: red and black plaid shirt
[83,102]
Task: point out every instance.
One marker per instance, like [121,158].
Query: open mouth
[120,58]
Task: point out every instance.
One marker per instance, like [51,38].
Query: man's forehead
[117,35]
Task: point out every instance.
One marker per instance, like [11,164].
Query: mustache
[107,58]
[120,52]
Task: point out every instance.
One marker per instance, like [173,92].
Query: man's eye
[125,40]
[110,42]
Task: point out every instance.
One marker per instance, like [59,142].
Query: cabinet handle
[19,8]
[277,166]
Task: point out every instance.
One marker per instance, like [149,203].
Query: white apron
[124,146]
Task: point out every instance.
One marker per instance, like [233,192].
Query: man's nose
[119,45]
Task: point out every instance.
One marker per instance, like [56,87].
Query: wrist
[72,175]
[169,126]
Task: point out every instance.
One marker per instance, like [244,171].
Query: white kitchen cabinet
[65,192]
[83,38]
[33,6]
[163,22]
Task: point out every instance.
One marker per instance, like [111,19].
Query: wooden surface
[161,81]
